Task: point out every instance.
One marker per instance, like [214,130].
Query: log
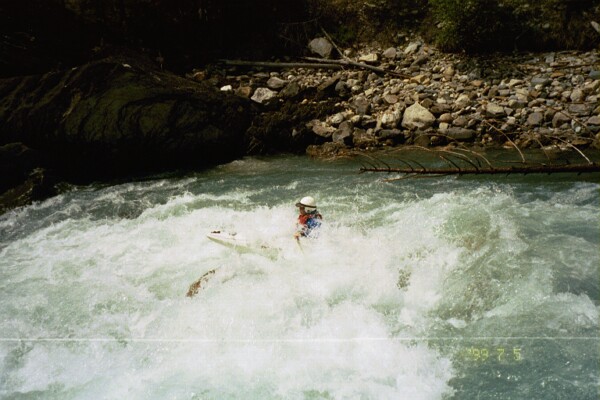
[350,63]
[283,65]
[525,169]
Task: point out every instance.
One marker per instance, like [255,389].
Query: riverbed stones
[544,98]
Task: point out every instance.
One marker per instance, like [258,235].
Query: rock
[392,116]
[328,86]
[369,58]
[263,95]
[460,134]
[494,110]
[390,134]
[275,83]
[462,101]
[104,120]
[320,128]
[17,161]
[595,120]
[326,150]
[420,60]
[390,98]
[560,119]
[449,72]
[439,108]
[290,91]
[577,95]
[580,109]
[244,91]
[535,119]
[361,105]
[539,80]
[417,117]
[363,139]
[344,133]
[446,117]
[594,74]
[422,140]
[412,48]
[321,46]
[38,186]
[336,119]
[390,53]
[421,79]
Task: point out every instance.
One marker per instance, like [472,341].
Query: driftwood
[462,161]
[350,63]
[283,65]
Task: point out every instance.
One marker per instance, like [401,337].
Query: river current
[438,288]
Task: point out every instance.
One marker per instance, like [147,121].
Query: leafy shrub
[471,25]
[492,25]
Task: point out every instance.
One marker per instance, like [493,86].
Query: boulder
[321,46]
[121,116]
[417,117]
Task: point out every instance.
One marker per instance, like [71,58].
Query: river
[438,288]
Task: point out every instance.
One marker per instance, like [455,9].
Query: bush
[471,25]
[500,25]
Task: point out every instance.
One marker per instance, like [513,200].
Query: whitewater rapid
[422,289]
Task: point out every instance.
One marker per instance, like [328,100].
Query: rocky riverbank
[429,98]
[124,115]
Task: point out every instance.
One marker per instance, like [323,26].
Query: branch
[544,169]
[268,64]
[351,63]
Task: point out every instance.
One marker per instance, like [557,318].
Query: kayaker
[309,218]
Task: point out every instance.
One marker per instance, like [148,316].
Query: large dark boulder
[120,116]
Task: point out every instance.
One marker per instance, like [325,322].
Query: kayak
[241,244]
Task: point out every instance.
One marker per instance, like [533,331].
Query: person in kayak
[309,218]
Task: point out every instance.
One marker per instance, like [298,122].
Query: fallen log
[350,63]
[283,65]
[524,169]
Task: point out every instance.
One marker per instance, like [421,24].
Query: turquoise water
[438,288]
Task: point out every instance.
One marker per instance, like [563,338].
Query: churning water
[439,288]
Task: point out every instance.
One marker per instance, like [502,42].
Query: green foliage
[363,20]
[471,25]
[492,25]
